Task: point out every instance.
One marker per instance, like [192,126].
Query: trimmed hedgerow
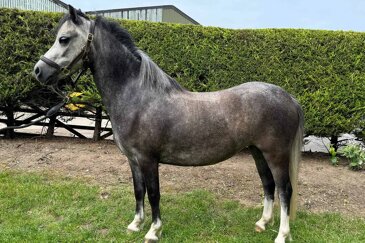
[324,70]
[24,37]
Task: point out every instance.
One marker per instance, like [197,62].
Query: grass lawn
[41,208]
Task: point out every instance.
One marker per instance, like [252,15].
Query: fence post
[98,120]
[51,126]
[9,113]
[334,142]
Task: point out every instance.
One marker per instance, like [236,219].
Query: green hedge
[24,37]
[325,70]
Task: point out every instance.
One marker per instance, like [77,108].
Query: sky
[254,14]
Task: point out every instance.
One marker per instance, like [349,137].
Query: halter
[83,55]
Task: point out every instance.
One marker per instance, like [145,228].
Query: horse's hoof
[153,238]
[134,228]
[150,241]
[131,230]
[281,238]
[258,229]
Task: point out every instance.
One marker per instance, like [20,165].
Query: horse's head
[70,50]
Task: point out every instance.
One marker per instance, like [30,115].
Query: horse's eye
[64,40]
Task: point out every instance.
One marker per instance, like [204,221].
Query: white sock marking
[284,230]
[266,214]
[155,231]
[137,222]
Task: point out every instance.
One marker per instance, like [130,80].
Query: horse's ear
[73,14]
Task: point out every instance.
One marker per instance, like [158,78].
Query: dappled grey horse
[155,120]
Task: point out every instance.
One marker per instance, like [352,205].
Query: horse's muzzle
[44,73]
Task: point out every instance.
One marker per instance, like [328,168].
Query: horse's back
[210,127]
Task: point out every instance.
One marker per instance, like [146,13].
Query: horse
[155,120]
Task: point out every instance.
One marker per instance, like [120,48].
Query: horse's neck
[123,79]
[114,68]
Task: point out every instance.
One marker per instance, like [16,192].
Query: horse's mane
[153,76]
[150,73]
[119,33]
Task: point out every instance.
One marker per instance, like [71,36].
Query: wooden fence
[32,114]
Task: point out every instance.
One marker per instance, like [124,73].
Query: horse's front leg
[139,193]
[150,172]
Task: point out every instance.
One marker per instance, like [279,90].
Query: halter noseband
[83,55]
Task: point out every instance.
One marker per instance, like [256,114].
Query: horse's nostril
[37,71]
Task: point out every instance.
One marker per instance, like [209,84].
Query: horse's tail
[295,156]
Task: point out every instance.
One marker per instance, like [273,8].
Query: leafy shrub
[24,37]
[355,155]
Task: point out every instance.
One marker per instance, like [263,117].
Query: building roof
[145,8]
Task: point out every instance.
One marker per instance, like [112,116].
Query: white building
[163,13]
[35,5]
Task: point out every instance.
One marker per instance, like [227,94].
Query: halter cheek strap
[83,55]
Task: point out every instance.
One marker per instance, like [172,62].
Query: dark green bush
[324,70]
[24,37]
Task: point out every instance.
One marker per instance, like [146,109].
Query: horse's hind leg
[268,186]
[279,164]
[139,193]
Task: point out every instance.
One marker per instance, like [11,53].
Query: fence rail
[31,114]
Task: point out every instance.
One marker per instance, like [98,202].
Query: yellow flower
[75,94]
[74,107]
